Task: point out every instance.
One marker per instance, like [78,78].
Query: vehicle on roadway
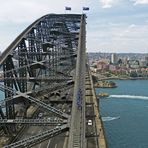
[9,121]
[40,115]
[70,82]
[89,122]
[58,125]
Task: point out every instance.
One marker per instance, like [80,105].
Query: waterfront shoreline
[114,78]
[131,111]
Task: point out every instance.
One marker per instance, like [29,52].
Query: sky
[112,25]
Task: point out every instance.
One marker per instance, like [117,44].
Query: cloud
[119,38]
[19,11]
[113,29]
[111,3]
[132,26]
[107,3]
[140,2]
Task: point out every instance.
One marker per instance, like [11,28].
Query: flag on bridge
[68,8]
[85,8]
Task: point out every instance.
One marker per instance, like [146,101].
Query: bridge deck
[46,81]
[99,125]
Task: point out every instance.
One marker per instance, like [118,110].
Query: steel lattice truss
[39,59]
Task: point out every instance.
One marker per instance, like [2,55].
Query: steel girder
[29,142]
[32,99]
[34,122]
[52,39]
[46,49]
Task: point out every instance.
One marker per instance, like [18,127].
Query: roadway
[90,115]
[80,116]
[56,142]
[77,125]
[60,96]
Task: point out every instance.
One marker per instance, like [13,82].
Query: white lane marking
[48,143]
[56,146]
[40,145]
[65,140]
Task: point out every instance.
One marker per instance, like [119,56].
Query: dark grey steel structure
[38,61]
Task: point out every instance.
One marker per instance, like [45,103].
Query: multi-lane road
[60,97]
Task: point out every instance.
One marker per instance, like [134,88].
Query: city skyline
[112,25]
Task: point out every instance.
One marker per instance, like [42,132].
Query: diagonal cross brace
[28,142]
[40,103]
[46,106]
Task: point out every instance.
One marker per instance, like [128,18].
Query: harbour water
[124,114]
[1,95]
[2,98]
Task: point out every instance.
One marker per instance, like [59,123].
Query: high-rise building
[146,58]
[114,58]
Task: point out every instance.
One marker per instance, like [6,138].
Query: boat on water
[105,84]
[103,94]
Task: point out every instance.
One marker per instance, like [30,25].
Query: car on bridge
[40,115]
[70,82]
[89,122]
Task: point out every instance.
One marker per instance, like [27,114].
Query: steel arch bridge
[47,60]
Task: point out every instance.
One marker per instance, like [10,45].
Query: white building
[114,58]
[142,63]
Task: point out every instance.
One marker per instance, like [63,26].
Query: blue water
[124,114]
[1,95]
[2,98]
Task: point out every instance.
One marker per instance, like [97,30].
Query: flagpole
[82,11]
[65,11]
